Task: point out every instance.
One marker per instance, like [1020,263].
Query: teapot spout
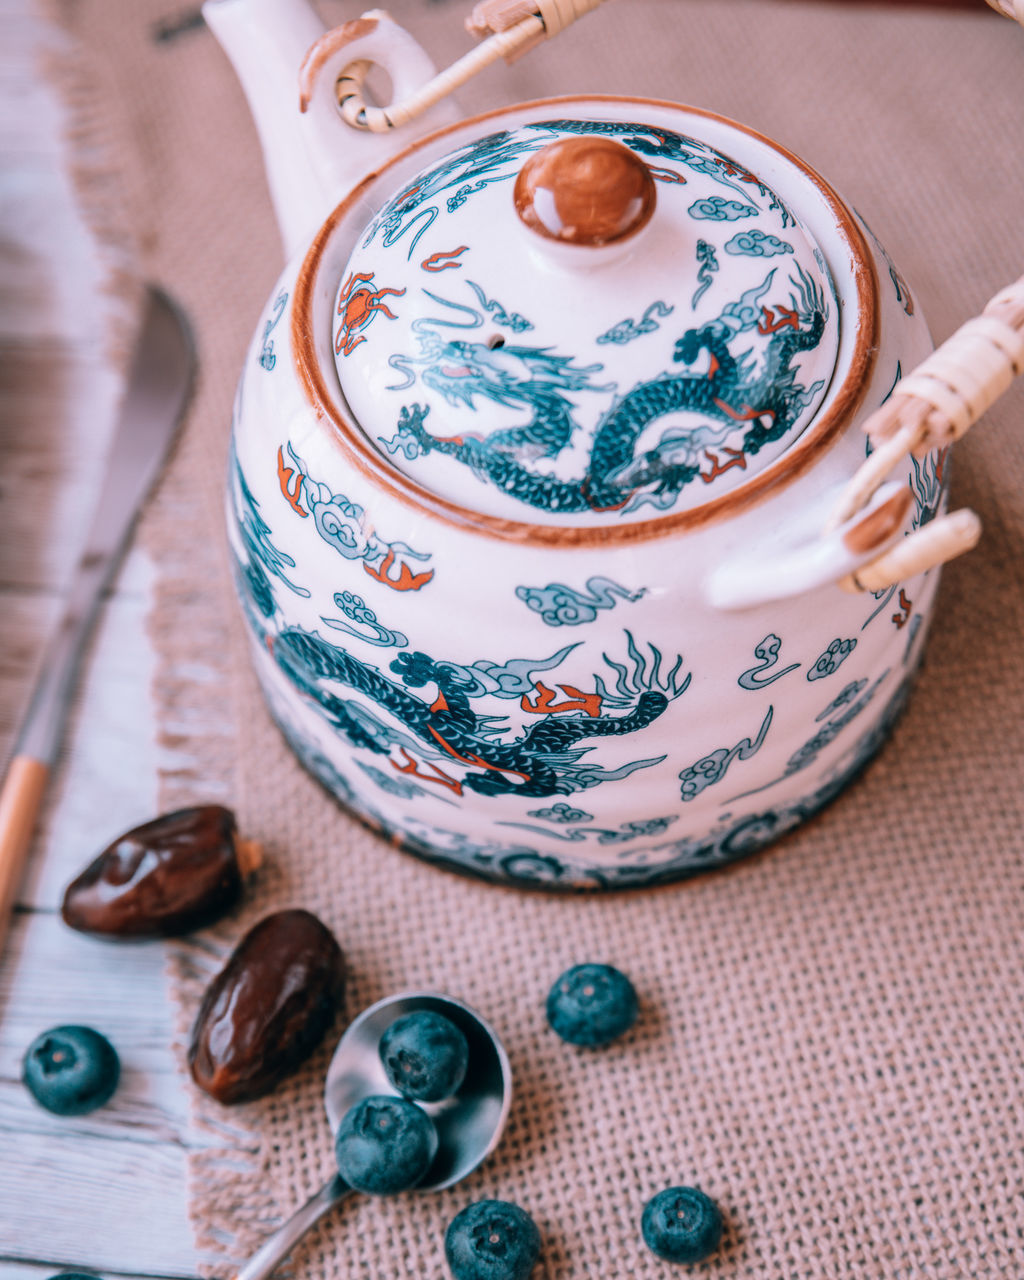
[288,64]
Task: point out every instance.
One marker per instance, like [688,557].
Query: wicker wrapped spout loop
[510,28]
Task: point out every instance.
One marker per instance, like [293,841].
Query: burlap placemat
[830,1041]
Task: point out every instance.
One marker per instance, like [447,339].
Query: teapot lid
[587,321]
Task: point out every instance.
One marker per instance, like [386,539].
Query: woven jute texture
[830,1042]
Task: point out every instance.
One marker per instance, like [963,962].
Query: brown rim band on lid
[586,191]
[861,317]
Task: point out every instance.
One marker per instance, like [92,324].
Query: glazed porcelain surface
[485,503]
[570,383]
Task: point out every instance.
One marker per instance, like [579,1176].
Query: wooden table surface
[104,1193]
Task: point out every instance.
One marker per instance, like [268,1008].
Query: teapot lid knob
[585,190]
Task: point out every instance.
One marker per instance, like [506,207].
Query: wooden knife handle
[19,804]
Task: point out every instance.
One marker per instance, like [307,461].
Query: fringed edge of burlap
[230,1205]
[227,1160]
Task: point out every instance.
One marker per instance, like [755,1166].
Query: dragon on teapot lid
[601,320]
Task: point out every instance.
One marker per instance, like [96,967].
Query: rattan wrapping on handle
[943,397]
[511,28]
[490,17]
[1009,8]
[966,375]
[942,539]
[360,115]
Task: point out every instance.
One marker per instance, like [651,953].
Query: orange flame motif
[475,759]
[666,175]
[733,170]
[737,458]
[746,414]
[284,479]
[906,608]
[786,319]
[406,580]
[443,259]
[544,704]
[412,766]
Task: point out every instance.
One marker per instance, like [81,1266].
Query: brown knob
[585,190]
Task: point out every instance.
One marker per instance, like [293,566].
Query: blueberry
[591,1004]
[492,1240]
[385,1145]
[681,1224]
[71,1070]
[425,1056]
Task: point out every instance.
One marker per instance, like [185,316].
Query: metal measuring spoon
[468,1124]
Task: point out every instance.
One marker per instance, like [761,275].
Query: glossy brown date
[167,877]
[268,1008]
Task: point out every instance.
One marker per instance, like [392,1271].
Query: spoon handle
[265,1261]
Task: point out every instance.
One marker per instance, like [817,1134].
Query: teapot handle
[341,156]
[312,158]
[801,559]
[506,28]
[863,546]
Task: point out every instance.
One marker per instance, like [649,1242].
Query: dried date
[167,877]
[268,1008]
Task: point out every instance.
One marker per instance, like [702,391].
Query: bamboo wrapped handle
[510,28]
[935,406]
[931,408]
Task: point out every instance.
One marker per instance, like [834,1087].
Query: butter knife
[159,380]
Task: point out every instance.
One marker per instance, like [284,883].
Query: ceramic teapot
[532,456]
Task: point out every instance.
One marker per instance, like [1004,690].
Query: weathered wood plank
[14,1270]
[97,1205]
[106,1190]
[53,975]
[59,389]
[27,620]
[106,778]
[104,1193]
[57,411]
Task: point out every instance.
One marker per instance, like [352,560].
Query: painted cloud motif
[718,209]
[757,244]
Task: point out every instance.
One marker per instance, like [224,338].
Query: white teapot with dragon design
[536,459]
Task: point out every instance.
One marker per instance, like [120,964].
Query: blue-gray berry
[71,1070]
[492,1240]
[385,1145]
[425,1056]
[591,1004]
[682,1224]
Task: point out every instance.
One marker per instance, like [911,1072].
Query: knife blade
[159,381]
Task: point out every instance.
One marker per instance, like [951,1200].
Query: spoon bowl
[469,1123]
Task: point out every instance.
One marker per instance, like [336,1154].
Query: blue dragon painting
[730,391]
[578,439]
[545,759]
